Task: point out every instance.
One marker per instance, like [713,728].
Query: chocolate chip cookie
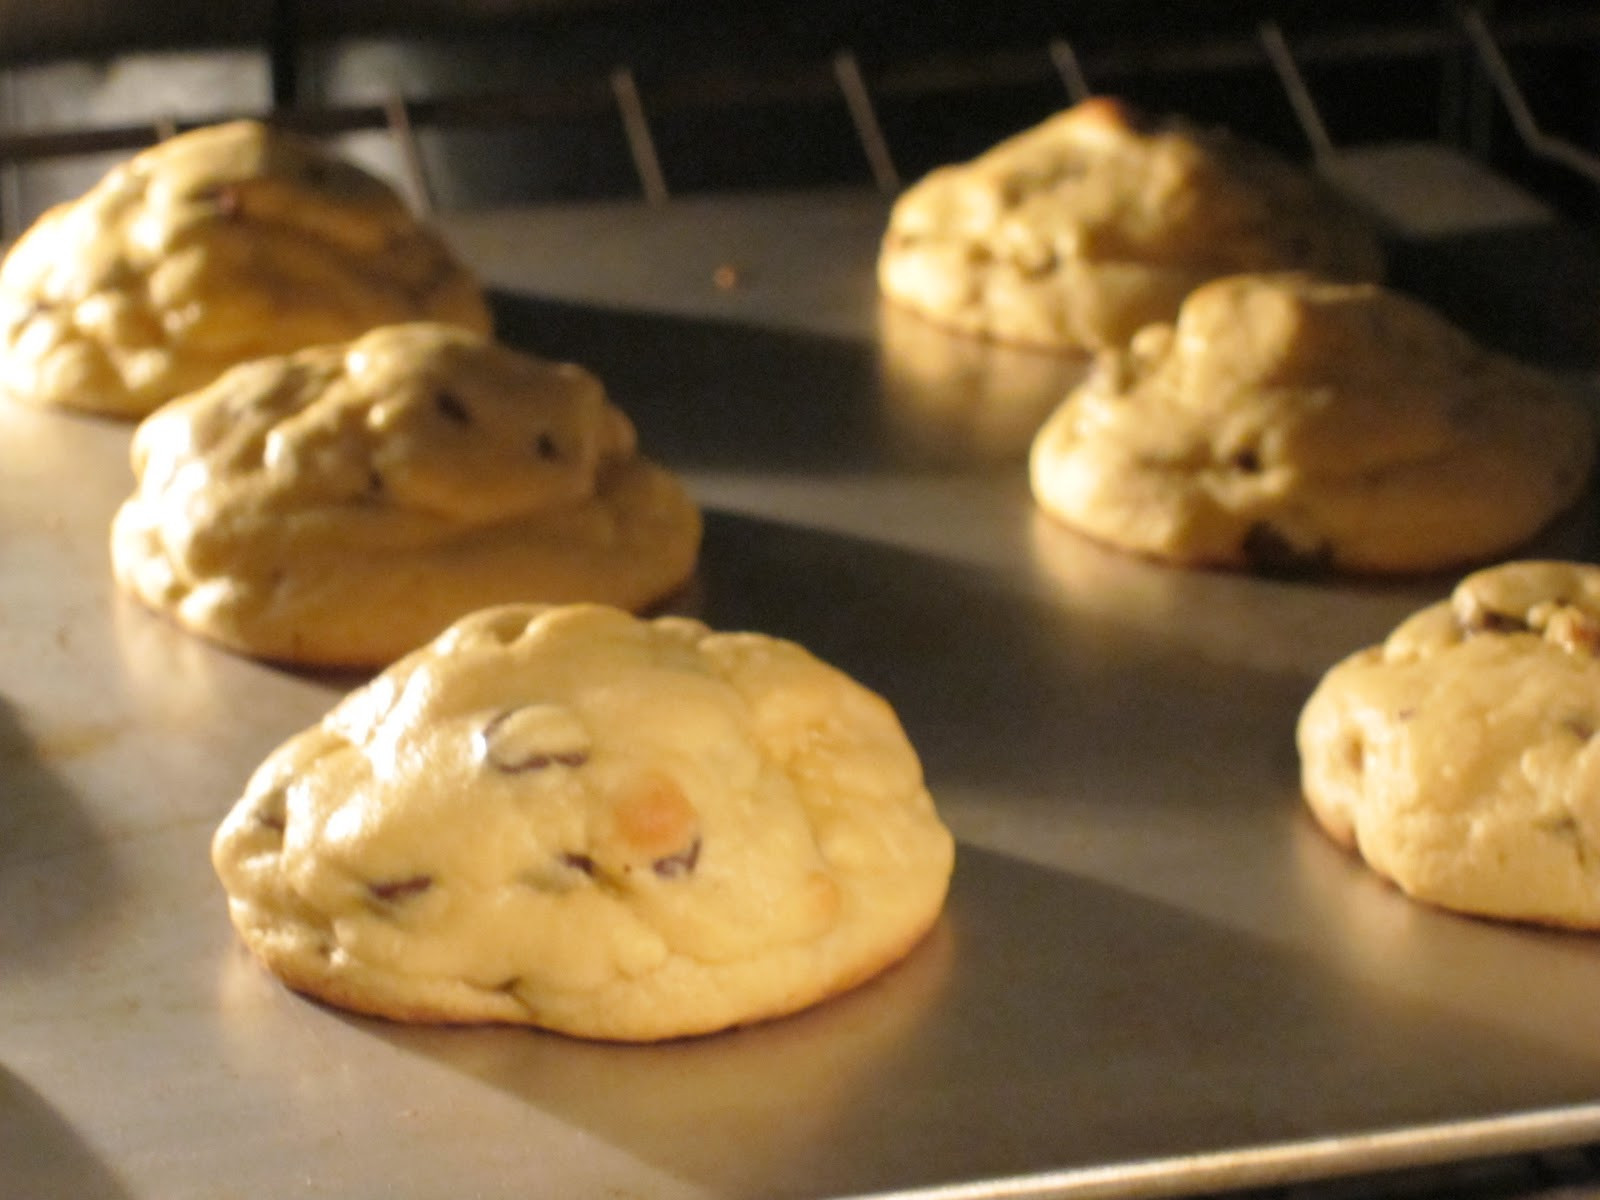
[572,818]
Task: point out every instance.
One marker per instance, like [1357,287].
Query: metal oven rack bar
[862,90]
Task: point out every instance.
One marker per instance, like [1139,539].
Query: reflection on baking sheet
[1299,623]
[737,1110]
[955,398]
[1224,616]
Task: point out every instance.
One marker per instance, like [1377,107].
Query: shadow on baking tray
[996,686]
[714,393]
[1051,1022]
[40,1154]
[40,821]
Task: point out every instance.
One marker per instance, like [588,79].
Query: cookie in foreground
[1290,423]
[1459,758]
[576,819]
[220,245]
[1076,233]
[341,505]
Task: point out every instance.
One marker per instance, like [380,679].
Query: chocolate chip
[271,821]
[1578,727]
[1247,461]
[506,748]
[545,447]
[1486,621]
[578,862]
[674,866]
[538,762]
[452,409]
[1269,552]
[400,889]
[226,199]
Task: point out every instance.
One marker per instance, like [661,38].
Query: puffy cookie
[1289,422]
[224,244]
[343,504]
[1078,232]
[573,818]
[1460,757]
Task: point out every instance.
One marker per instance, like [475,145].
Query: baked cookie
[341,505]
[1288,422]
[1460,757]
[228,243]
[573,818]
[1078,232]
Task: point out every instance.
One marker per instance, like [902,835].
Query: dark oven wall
[520,100]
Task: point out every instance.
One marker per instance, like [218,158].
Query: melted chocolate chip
[271,821]
[578,862]
[1247,461]
[226,199]
[400,889]
[1578,727]
[545,447]
[505,759]
[538,762]
[674,866]
[1485,621]
[1267,551]
[452,409]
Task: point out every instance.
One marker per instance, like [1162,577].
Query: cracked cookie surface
[1460,759]
[1289,423]
[341,505]
[573,818]
[217,246]
[1076,233]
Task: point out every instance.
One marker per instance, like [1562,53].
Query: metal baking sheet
[1154,976]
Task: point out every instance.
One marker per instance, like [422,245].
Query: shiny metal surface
[1154,977]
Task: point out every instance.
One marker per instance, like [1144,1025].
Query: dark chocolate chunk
[1487,621]
[452,409]
[1247,461]
[674,866]
[545,447]
[227,200]
[392,890]
[578,862]
[510,761]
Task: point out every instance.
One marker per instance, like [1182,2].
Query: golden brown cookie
[224,244]
[1078,232]
[1460,757]
[343,504]
[1286,422]
[573,818]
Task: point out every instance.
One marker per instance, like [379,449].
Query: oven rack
[1475,102]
